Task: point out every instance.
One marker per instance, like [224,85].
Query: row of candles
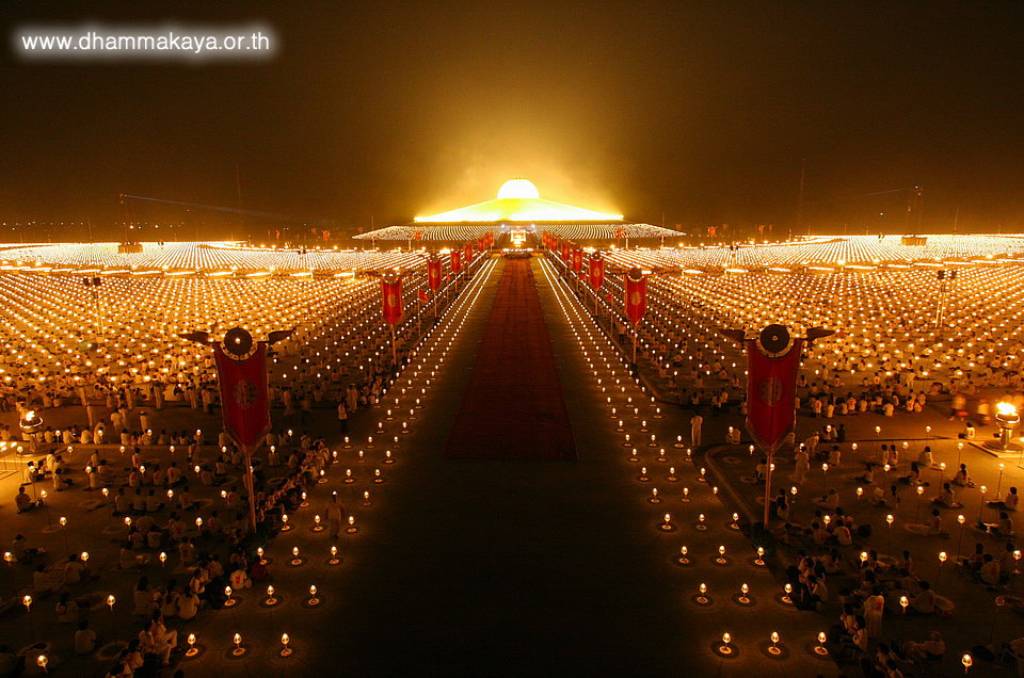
[743,596]
[439,340]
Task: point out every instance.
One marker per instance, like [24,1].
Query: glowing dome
[518,201]
[518,188]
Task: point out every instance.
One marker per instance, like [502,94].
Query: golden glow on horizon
[518,200]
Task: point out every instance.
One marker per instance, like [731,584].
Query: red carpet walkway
[513,407]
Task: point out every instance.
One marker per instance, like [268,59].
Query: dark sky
[700,111]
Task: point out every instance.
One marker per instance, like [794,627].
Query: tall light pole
[92,283]
[800,198]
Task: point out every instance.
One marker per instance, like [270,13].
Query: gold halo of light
[519,189]
[518,200]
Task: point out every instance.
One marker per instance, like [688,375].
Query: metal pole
[800,199]
[768,487]
[394,347]
[942,302]
[250,486]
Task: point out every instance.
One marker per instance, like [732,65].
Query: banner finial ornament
[775,340]
[238,344]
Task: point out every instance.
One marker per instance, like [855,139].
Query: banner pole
[394,347]
[634,344]
[768,487]
[250,486]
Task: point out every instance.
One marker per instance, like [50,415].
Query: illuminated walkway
[514,381]
[512,567]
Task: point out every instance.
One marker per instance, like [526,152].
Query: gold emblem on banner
[245,394]
[770,390]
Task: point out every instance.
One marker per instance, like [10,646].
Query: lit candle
[286,651]
[192,650]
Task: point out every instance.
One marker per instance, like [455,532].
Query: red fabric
[456,258]
[244,395]
[636,296]
[434,274]
[771,394]
[423,296]
[467,252]
[596,272]
[577,260]
[391,300]
[513,407]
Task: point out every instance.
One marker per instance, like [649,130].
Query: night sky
[698,111]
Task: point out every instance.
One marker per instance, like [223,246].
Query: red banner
[467,252]
[391,300]
[423,295]
[565,250]
[596,272]
[636,296]
[771,391]
[434,274]
[577,260]
[456,258]
[244,394]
